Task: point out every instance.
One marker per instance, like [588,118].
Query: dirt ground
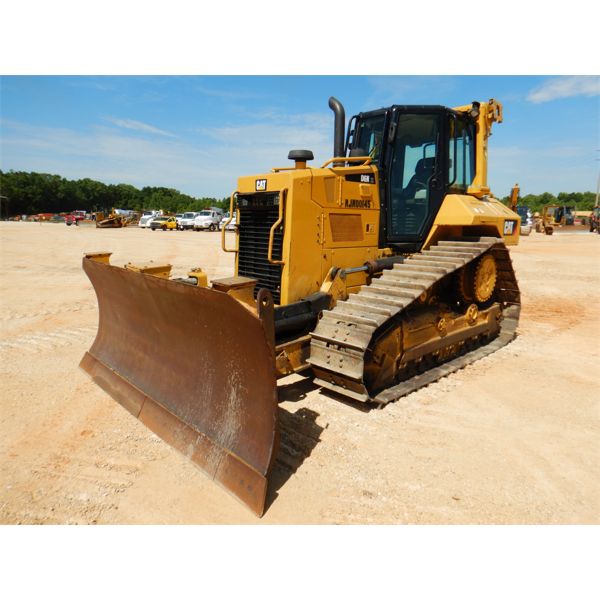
[514,438]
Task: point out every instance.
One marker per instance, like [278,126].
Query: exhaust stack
[340,125]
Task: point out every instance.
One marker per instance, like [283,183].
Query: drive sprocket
[484,280]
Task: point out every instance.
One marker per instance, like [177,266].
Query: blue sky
[198,134]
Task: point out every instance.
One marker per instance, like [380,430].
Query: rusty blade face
[194,366]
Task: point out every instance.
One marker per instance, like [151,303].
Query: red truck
[75,217]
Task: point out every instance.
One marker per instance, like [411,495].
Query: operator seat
[414,211]
[419,181]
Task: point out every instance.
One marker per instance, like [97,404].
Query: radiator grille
[258,212]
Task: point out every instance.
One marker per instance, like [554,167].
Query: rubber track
[341,339]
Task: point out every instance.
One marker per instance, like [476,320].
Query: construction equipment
[381,271]
[513,199]
[595,219]
[522,211]
[117,218]
[113,220]
[557,217]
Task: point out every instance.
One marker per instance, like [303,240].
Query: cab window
[461,153]
[370,135]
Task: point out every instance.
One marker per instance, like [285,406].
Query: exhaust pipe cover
[339,128]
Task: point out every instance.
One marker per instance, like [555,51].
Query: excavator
[377,273]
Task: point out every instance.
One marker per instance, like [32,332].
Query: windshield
[204,213]
[523,212]
[189,215]
[369,135]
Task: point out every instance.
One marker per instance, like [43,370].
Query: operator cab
[422,153]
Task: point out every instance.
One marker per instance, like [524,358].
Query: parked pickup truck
[147,216]
[232,226]
[208,219]
[165,223]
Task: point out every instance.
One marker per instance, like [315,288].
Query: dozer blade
[195,366]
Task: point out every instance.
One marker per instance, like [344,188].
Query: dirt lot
[514,438]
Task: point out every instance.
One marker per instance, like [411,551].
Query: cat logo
[509,227]
[261,185]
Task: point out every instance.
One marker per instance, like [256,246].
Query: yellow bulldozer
[377,273]
[116,219]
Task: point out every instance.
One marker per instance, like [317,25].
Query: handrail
[454,159]
[282,197]
[365,160]
[224,226]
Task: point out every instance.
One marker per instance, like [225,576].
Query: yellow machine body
[330,221]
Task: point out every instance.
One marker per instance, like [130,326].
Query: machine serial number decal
[509,227]
[261,185]
[357,203]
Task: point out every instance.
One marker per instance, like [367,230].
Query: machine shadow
[298,390]
[299,434]
[293,392]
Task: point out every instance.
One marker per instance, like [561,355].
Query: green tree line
[578,200]
[33,193]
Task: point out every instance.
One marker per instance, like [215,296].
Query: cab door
[415,181]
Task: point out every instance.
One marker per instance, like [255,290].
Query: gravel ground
[513,438]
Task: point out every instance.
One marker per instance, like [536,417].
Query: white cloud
[540,167]
[550,151]
[138,126]
[110,156]
[227,94]
[96,83]
[208,166]
[386,90]
[311,130]
[565,87]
